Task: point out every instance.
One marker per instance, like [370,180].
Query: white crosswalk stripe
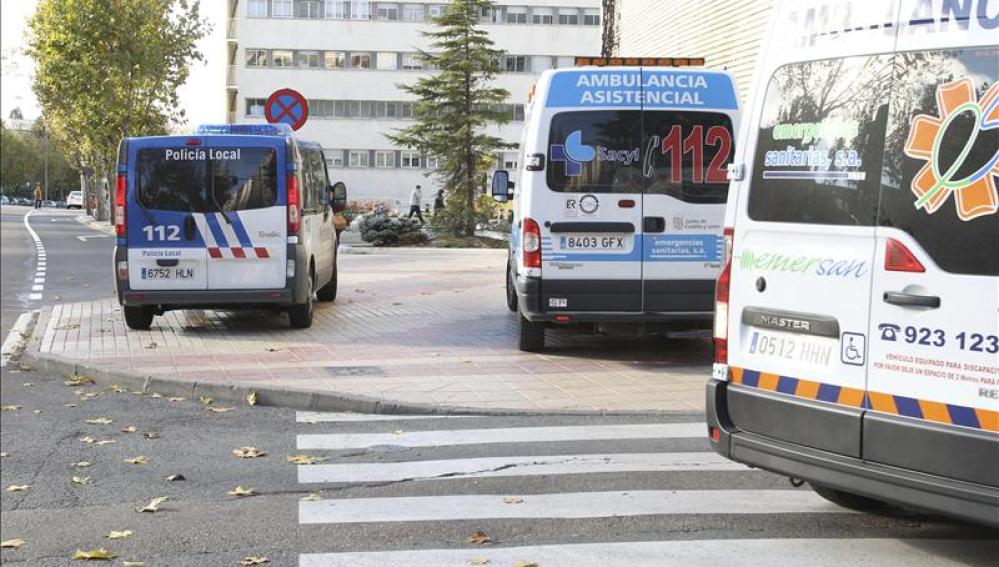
[431,476]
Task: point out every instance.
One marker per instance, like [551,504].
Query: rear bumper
[970,501]
[609,301]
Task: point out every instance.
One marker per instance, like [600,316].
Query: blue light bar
[244,129]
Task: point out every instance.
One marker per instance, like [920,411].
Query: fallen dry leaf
[81,480]
[70,405]
[220,409]
[93,555]
[176,477]
[81,464]
[88,439]
[37,411]
[119,535]
[254,560]
[151,345]
[133,564]
[513,500]
[251,398]
[12,543]
[153,504]
[18,487]
[242,491]
[24,367]
[10,408]
[79,380]
[129,429]
[117,389]
[105,442]
[479,538]
[99,421]
[206,400]
[140,460]
[248,452]
[479,561]
[27,384]
[151,435]
[176,399]
[310,498]
[522,563]
[398,432]
[304,459]
[155,395]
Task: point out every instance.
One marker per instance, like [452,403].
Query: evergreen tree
[455,105]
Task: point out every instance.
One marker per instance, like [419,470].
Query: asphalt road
[398,491]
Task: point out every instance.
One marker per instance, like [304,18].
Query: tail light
[531,244]
[721,301]
[294,205]
[898,258]
[120,188]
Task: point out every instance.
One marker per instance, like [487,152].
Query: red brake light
[531,243]
[721,301]
[294,205]
[120,188]
[898,258]
[192,142]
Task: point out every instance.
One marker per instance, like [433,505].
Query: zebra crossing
[576,491]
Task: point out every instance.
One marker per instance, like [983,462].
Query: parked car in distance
[74,200]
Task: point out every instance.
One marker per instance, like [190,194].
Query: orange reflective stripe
[882,402]
[851,397]
[934,411]
[736,375]
[989,420]
[807,389]
[768,381]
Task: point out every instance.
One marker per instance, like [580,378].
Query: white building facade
[347,57]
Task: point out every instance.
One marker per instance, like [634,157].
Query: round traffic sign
[286,106]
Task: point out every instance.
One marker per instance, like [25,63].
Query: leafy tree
[22,163]
[107,69]
[454,106]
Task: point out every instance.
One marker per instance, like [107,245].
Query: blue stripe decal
[240,230]
[213,225]
[908,407]
[828,393]
[751,378]
[963,416]
[787,385]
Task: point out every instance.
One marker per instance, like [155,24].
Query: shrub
[385,230]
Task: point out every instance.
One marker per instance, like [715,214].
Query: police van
[857,316]
[620,198]
[233,216]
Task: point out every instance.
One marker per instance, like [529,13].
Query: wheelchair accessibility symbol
[852,349]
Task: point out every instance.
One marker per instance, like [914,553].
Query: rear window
[820,142]
[206,179]
[681,154]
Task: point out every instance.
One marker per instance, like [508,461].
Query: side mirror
[338,196]
[502,186]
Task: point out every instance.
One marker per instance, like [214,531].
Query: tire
[138,318]
[848,500]
[328,291]
[531,335]
[300,316]
[511,291]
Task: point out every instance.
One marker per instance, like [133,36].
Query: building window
[307,9]
[255,106]
[515,63]
[410,160]
[358,158]
[360,10]
[516,15]
[430,163]
[387,61]
[405,110]
[360,60]
[412,61]
[562,62]
[518,113]
[282,8]
[334,158]
[541,63]
[256,57]
[542,16]
[591,17]
[282,58]
[335,59]
[387,11]
[335,9]
[568,17]
[436,10]
[510,162]
[256,8]
[309,60]
[384,159]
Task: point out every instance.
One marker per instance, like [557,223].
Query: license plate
[593,242]
[173,273]
[792,347]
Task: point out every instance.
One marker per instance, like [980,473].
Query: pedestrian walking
[37,194]
[439,202]
[415,199]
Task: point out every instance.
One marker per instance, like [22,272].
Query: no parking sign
[286,106]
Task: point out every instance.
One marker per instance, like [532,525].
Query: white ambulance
[857,317]
[621,194]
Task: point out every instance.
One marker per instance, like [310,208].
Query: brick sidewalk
[410,325]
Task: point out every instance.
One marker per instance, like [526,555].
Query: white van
[233,216]
[857,329]
[620,198]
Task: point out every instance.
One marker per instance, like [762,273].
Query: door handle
[653,224]
[190,228]
[911,299]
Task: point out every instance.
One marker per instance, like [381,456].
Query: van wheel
[847,499]
[300,316]
[328,291]
[531,335]
[511,291]
[138,318]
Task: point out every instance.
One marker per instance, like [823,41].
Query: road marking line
[40,260]
[762,552]
[325,417]
[37,288]
[15,338]
[501,435]
[34,296]
[563,505]
[488,467]
[39,279]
